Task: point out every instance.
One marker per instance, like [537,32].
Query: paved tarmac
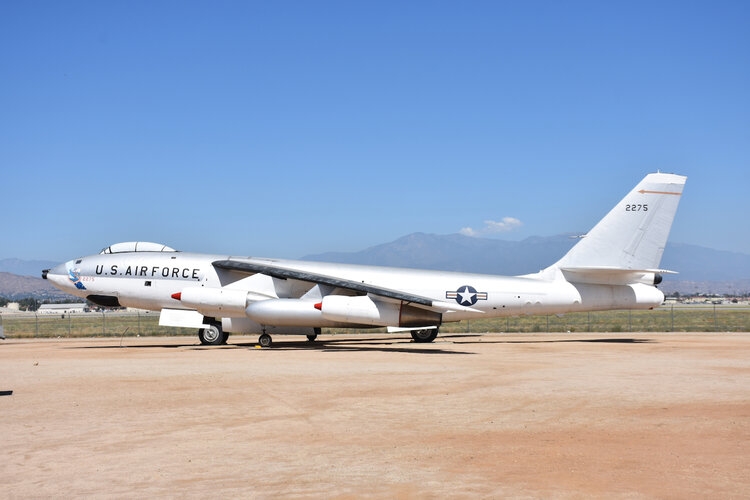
[537,415]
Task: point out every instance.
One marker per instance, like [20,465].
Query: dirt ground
[535,415]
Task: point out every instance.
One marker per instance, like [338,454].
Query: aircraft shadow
[555,341]
[385,344]
[382,344]
[6,393]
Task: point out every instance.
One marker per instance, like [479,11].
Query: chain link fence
[710,318]
[678,318]
[93,324]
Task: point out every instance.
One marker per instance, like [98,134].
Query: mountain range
[15,287]
[25,267]
[700,269]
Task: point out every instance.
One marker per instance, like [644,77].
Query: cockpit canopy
[136,246]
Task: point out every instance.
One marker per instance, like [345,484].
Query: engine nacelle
[364,310]
[215,301]
[285,312]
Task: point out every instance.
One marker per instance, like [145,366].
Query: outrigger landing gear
[213,335]
[265,340]
[313,336]
[423,336]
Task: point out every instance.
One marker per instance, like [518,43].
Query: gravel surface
[535,415]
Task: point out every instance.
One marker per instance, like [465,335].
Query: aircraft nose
[59,269]
[57,275]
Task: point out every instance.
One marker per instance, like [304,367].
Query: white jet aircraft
[615,266]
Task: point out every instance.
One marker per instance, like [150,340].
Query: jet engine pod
[285,312]
[364,310]
[214,301]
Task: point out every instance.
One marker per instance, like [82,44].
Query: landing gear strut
[423,336]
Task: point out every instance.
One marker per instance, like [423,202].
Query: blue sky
[289,128]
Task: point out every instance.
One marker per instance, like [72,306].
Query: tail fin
[633,234]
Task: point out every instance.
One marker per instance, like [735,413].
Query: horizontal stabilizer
[615,270]
[602,275]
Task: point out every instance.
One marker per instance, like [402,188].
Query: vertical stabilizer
[633,234]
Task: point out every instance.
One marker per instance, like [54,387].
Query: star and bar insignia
[466,295]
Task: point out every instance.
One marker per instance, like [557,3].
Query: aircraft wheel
[311,338]
[213,335]
[265,340]
[426,335]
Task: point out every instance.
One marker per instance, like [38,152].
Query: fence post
[716,326]
[547,323]
[630,320]
[507,324]
[36,324]
[672,319]
[588,321]
[70,320]
[139,322]
[104,324]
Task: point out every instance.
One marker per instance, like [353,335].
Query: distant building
[62,308]
[13,306]
[137,310]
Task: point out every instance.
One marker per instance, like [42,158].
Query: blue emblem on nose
[466,295]
[75,277]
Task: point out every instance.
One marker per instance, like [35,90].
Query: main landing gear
[265,340]
[213,334]
[424,336]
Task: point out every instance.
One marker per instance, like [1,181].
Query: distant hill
[25,267]
[456,252]
[15,287]
[698,266]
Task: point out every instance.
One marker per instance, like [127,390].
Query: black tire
[265,340]
[213,335]
[424,336]
[311,338]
